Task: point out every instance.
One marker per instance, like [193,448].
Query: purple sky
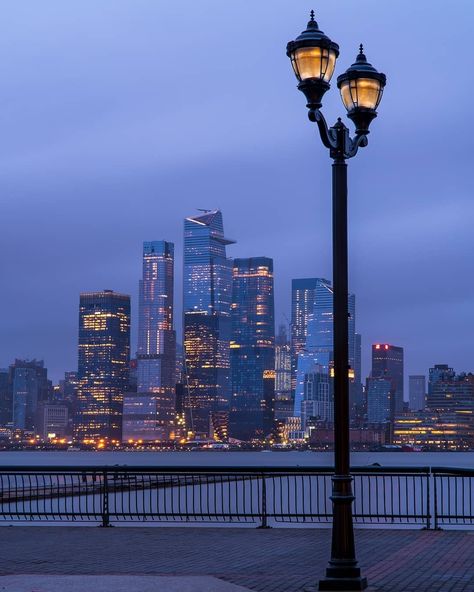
[120,117]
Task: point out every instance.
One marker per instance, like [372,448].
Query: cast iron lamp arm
[337,138]
[328,137]
[359,141]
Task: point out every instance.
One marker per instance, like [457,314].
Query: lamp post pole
[343,549]
[343,572]
[313,56]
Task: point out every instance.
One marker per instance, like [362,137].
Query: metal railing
[453,496]
[263,496]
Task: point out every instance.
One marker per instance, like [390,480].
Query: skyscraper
[6,395]
[417,392]
[387,360]
[68,387]
[303,293]
[358,358]
[150,412]
[356,391]
[380,392]
[103,366]
[207,286]
[317,357]
[252,349]
[448,390]
[451,398]
[439,373]
[30,386]
[283,398]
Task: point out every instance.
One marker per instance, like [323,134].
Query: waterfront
[231,459]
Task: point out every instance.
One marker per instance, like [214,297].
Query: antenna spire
[311,15]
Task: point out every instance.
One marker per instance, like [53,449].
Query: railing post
[428,500]
[105,500]
[435,514]
[263,515]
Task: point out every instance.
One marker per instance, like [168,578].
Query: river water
[234,459]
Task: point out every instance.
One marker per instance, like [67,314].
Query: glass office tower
[149,413]
[302,303]
[103,368]
[6,397]
[207,286]
[252,349]
[387,360]
[30,386]
[417,392]
[317,357]
[283,398]
[380,393]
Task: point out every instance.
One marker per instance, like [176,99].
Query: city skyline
[56,373]
[121,144]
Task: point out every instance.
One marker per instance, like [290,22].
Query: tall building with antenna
[149,414]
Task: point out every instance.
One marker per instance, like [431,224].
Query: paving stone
[41,583]
[273,560]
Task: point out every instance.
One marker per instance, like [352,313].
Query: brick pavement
[274,560]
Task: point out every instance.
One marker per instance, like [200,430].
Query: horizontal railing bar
[456,471]
[213,470]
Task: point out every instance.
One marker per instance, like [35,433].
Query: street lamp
[313,57]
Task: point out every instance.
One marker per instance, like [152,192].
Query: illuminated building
[133,376]
[252,349]
[316,359]
[283,398]
[451,391]
[149,413]
[207,287]
[447,431]
[380,393]
[448,421]
[356,391]
[30,386]
[6,403]
[303,292]
[219,426]
[417,392]
[52,420]
[318,398]
[292,432]
[68,387]
[387,360]
[103,365]
[358,357]
[321,436]
[439,373]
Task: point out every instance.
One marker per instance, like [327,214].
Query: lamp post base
[340,585]
[347,582]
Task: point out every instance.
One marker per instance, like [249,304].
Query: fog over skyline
[121,117]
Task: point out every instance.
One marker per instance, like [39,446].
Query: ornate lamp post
[313,57]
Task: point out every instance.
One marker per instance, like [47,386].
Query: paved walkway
[274,560]
[41,583]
